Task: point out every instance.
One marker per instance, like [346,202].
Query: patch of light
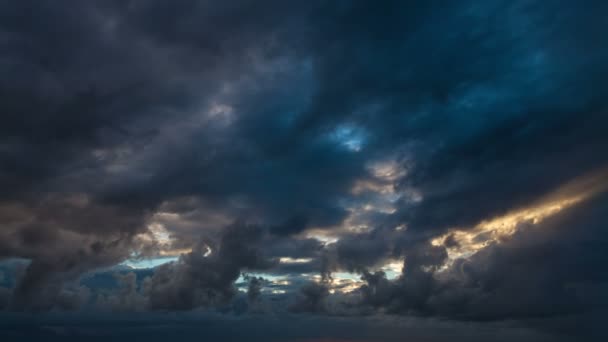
[377,193]
[345,286]
[346,282]
[494,230]
[272,280]
[349,136]
[401,227]
[346,275]
[159,232]
[379,208]
[148,263]
[179,251]
[322,237]
[160,238]
[267,276]
[222,113]
[393,269]
[289,260]
[389,170]
[283,282]
[341,282]
[469,241]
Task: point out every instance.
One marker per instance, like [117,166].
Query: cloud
[349,135]
[254,290]
[126,298]
[312,298]
[199,280]
[540,271]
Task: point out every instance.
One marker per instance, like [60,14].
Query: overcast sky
[304,171]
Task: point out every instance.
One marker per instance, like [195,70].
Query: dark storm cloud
[362,251]
[312,298]
[553,269]
[114,113]
[494,118]
[126,298]
[87,89]
[63,236]
[254,290]
[496,95]
[197,280]
[203,278]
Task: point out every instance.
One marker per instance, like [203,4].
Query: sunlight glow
[469,241]
[290,260]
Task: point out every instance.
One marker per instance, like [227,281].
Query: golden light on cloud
[161,239]
[345,284]
[493,230]
[394,266]
[176,252]
[469,241]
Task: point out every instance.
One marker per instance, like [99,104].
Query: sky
[303,171]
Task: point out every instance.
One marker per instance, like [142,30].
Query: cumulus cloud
[312,298]
[126,298]
[254,289]
[200,280]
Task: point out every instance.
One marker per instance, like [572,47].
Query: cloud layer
[342,158]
